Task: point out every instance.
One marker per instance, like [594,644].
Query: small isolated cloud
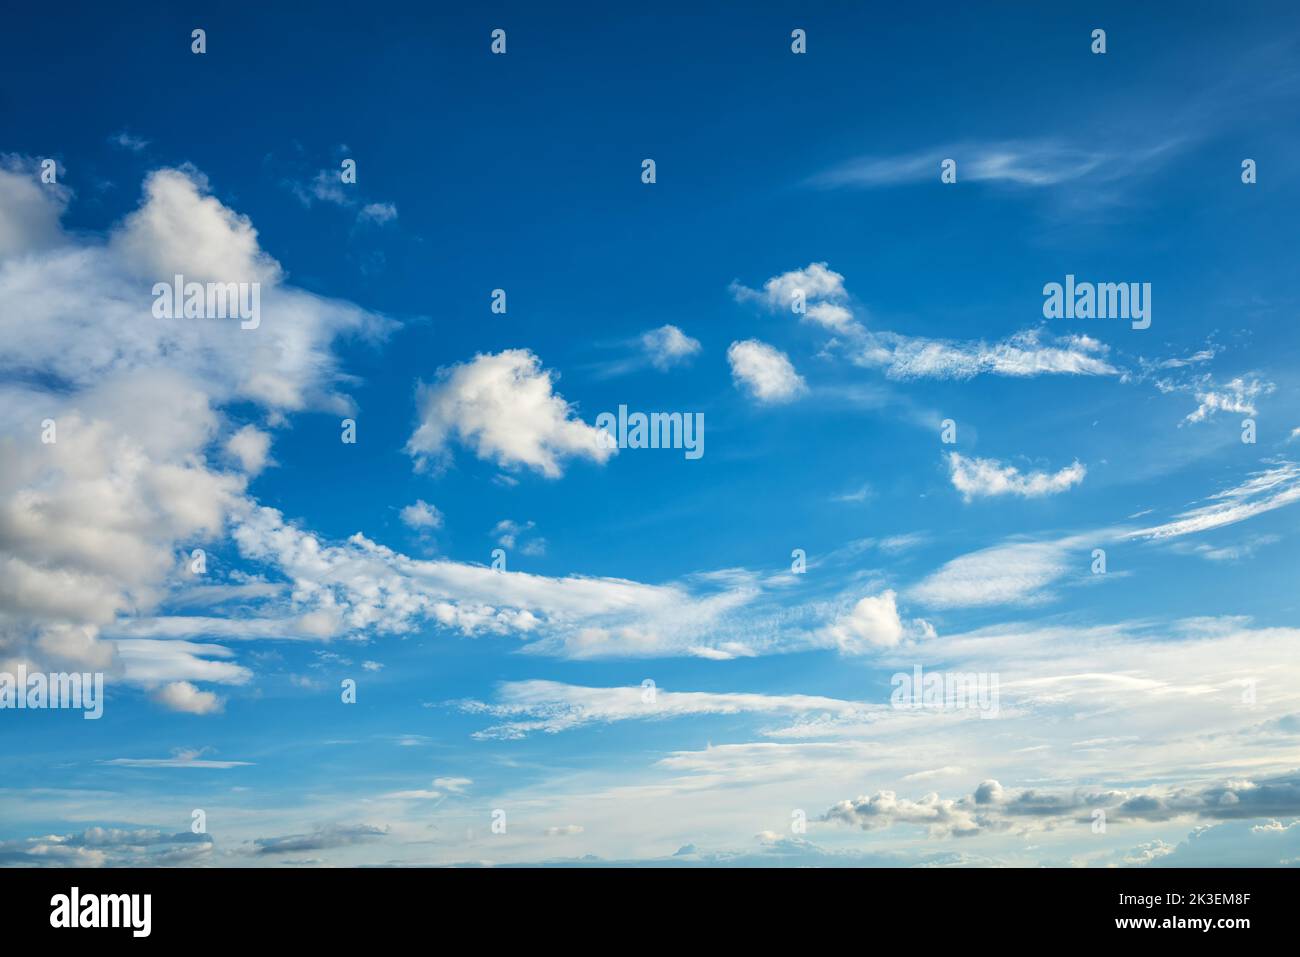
[509,534]
[184,697]
[981,478]
[126,141]
[564,830]
[504,407]
[764,372]
[455,785]
[668,346]
[378,213]
[421,515]
[815,293]
[250,447]
[872,624]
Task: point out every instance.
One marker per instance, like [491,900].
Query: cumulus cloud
[421,515]
[108,847]
[668,346]
[873,623]
[107,462]
[994,808]
[251,448]
[764,371]
[985,478]
[815,293]
[503,406]
[184,697]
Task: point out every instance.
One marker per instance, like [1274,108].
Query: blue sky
[1161,692]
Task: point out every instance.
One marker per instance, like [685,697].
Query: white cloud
[421,515]
[764,372]
[872,623]
[251,447]
[183,696]
[1023,355]
[668,346]
[564,830]
[378,213]
[1264,491]
[551,707]
[94,523]
[976,478]
[502,406]
[820,290]
[127,141]
[1237,396]
[1015,573]
[29,209]
[1026,163]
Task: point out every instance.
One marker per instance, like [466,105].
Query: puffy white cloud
[668,346]
[818,289]
[29,209]
[764,372]
[251,448]
[113,416]
[421,515]
[183,696]
[503,406]
[871,624]
[982,478]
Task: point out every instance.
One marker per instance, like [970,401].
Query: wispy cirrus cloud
[1026,163]
[551,706]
